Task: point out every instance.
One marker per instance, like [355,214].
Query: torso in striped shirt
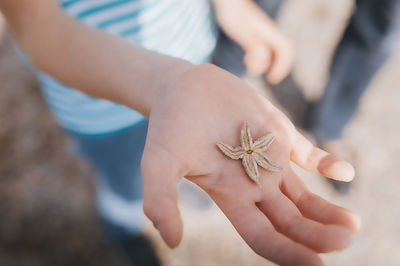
[179,28]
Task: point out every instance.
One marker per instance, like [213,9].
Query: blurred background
[47,210]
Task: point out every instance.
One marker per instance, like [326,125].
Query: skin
[282,220]
[190,108]
[267,49]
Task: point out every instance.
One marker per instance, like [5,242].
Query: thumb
[160,196]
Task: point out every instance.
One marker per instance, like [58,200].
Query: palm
[280,220]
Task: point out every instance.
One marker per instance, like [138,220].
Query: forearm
[97,63]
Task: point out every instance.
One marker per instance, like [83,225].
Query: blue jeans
[115,159]
[370,37]
[367,43]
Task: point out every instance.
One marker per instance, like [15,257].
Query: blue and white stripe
[179,28]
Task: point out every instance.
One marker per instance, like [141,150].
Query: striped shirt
[179,28]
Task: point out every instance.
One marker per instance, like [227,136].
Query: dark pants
[115,159]
[369,39]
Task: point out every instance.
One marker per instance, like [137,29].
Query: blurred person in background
[370,37]
[157,70]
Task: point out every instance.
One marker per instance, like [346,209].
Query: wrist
[166,79]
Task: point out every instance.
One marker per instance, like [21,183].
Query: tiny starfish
[251,153]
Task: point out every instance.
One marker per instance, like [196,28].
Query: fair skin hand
[281,220]
[190,108]
[267,49]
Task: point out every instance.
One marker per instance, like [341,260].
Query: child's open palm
[281,220]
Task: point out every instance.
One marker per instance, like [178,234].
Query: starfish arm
[231,152]
[263,143]
[263,161]
[251,168]
[245,137]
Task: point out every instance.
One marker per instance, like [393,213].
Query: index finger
[311,158]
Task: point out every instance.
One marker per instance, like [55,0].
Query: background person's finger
[281,61]
[257,59]
[316,208]
[311,158]
[261,236]
[288,220]
[160,197]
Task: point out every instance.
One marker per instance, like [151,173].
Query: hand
[281,220]
[267,48]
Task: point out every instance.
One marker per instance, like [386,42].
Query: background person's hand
[267,49]
[281,220]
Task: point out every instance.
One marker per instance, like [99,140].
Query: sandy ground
[46,196]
